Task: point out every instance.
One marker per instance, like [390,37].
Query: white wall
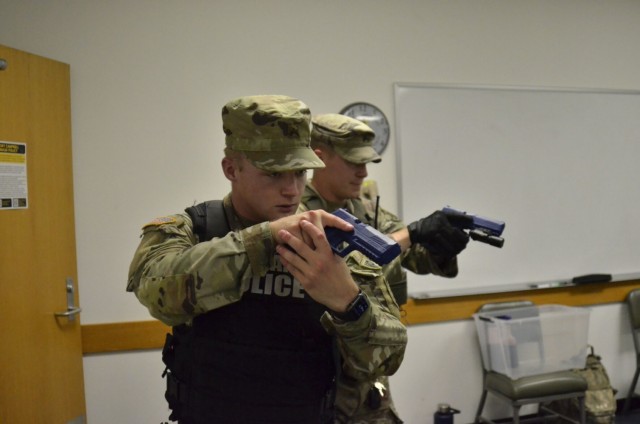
[149,79]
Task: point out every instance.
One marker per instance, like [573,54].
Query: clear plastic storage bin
[533,340]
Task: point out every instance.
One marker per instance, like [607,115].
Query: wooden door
[41,376]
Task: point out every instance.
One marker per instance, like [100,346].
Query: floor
[633,417]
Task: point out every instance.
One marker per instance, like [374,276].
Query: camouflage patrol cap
[272,131]
[350,138]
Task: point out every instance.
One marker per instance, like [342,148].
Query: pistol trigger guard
[343,252]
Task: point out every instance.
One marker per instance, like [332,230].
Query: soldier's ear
[320,153]
[230,168]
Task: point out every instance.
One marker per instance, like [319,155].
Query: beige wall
[149,79]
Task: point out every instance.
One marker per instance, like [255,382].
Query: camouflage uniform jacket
[177,278]
[357,408]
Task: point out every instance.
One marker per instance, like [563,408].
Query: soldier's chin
[354,194]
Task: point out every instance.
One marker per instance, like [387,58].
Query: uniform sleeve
[374,345]
[417,259]
[177,278]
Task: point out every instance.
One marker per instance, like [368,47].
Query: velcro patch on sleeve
[160,221]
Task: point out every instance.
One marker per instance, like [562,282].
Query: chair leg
[483,398]
[581,408]
[632,389]
[516,414]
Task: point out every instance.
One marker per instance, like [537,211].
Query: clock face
[374,118]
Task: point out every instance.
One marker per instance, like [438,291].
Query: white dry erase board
[559,166]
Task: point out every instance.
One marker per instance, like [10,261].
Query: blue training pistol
[482,229]
[376,246]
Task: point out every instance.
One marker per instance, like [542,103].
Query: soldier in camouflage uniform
[268,312]
[429,245]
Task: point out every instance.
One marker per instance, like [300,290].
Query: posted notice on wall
[13,175]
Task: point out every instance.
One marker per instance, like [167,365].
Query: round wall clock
[373,117]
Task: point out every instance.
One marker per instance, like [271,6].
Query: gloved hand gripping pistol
[481,229]
[375,245]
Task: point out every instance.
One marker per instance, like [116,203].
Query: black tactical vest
[264,359]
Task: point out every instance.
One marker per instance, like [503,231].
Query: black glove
[437,234]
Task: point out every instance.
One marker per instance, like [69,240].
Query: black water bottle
[444,414]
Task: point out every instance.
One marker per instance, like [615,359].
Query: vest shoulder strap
[209,220]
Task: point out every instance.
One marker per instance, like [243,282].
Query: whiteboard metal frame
[400,143]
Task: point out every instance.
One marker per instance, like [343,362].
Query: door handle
[72,310]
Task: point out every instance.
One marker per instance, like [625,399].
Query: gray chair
[531,389]
[633,304]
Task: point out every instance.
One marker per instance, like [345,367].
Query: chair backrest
[633,303]
[520,309]
[497,306]
[526,332]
